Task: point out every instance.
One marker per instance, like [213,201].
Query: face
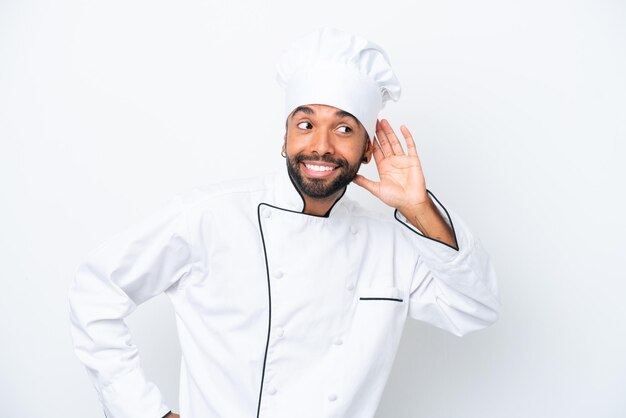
[325,147]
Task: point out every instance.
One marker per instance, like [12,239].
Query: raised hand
[402,184]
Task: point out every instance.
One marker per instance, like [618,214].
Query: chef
[290,298]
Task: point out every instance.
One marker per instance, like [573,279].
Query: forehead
[322,111]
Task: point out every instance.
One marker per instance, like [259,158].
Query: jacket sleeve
[123,272]
[455,290]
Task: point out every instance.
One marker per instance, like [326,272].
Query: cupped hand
[402,183]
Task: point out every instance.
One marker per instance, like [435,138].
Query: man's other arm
[123,272]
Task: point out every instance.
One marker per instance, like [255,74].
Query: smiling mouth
[319,170]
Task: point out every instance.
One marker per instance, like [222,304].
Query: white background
[108,108]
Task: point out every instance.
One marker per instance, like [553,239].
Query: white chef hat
[339,69]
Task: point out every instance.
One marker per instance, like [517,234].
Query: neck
[320,207]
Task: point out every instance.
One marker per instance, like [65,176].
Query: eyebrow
[303,109]
[344,114]
[340,113]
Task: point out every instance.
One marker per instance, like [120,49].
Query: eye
[347,129]
[304,125]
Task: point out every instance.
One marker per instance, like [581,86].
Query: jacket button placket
[335,382]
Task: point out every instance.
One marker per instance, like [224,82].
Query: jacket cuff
[435,250]
[133,396]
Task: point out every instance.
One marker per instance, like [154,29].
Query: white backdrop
[107,109]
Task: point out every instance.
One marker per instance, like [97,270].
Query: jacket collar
[288,197]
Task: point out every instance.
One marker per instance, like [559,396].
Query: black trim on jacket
[395,215]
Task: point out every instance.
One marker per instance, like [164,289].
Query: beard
[321,188]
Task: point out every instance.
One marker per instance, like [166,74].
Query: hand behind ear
[402,184]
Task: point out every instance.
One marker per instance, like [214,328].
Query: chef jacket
[280,314]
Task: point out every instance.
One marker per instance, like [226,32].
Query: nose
[322,142]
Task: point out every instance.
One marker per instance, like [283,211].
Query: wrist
[424,206]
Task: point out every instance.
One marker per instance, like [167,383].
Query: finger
[410,143]
[378,152]
[382,138]
[394,142]
[369,185]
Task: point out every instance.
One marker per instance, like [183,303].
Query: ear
[367,154]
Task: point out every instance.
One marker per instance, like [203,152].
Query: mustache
[325,158]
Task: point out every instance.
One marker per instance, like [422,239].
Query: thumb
[369,185]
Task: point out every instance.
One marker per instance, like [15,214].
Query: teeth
[319,167]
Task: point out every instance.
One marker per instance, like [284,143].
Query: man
[290,298]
